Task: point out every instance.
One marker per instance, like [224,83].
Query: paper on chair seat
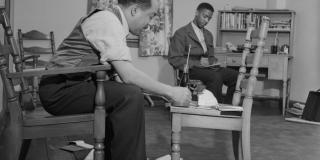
[206,98]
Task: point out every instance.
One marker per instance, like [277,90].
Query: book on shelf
[238,21]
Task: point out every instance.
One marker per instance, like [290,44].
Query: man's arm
[177,51]
[105,33]
[212,59]
[131,75]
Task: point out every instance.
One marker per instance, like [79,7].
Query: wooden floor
[272,138]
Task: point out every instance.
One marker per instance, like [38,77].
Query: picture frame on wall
[2,3]
[154,40]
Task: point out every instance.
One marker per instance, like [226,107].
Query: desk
[277,67]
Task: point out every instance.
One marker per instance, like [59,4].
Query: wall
[306,75]
[46,15]
[185,14]
[60,16]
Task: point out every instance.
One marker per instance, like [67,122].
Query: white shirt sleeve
[106,33]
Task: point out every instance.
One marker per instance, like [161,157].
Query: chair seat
[206,111]
[40,117]
[199,117]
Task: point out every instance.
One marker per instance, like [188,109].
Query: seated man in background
[100,37]
[202,62]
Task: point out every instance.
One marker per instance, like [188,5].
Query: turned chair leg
[35,88]
[245,137]
[175,137]
[12,143]
[237,145]
[24,149]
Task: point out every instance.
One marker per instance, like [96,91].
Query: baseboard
[299,120]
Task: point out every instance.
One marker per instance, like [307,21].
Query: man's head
[203,14]
[138,13]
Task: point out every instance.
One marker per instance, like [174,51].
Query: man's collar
[195,26]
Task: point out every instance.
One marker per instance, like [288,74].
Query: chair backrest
[243,66]
[27,102]
[248,93]
[35,35]
[48,126]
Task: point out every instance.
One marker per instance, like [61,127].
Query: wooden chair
[39,44]
[214,119]
[33,45]
[22,127]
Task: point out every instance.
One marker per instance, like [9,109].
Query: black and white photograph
[159,80]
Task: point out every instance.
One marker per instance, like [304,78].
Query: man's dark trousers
[214,78]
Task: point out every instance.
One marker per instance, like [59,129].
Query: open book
[222,107]
[226,107]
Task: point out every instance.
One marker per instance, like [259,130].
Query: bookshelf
[276,63]
[232,23]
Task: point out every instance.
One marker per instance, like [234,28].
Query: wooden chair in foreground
[212,119]
[22,127]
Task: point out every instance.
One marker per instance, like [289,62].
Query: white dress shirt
[108,35]
[200,36]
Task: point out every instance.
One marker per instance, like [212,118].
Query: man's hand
[181,96]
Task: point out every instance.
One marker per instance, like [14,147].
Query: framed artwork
[154,40]
[93,4]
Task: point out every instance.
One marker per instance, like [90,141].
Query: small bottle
[184,80]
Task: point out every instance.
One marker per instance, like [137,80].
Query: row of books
[239,21]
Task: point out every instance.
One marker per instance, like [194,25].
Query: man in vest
[100,37]
[202,62]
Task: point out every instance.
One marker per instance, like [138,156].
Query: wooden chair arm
[37,50]
[25,58]
[59,71]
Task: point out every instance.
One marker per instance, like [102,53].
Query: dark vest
[76,50]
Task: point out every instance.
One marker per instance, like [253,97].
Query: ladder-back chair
[39,44]
[35,46]
[22,127]
[212,118]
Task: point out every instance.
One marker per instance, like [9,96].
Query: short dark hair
[144,4]
[202,6]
